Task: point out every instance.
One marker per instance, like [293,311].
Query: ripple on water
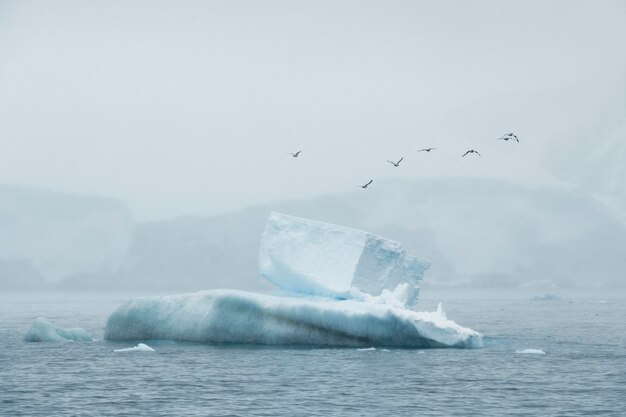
[580,375]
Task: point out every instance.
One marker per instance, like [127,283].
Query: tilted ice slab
[318,258]
[229,316]
[41,330]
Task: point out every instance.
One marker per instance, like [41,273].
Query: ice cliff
[344,287]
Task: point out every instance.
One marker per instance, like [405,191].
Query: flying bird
[509,136]
[426,149]
[364,186]
[470,151]
[396,164]
[295,155]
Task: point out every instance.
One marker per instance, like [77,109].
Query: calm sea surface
[582,373]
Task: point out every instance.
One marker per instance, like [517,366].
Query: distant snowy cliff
[477,233]
[48,237]
[592,157]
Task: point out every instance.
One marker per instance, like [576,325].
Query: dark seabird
[396,164]
[295,155]
[509,136]
[470,151]
[426,149]
[365,185]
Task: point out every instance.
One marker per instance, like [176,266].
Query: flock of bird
[506,137]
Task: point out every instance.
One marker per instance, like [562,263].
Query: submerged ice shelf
[345,287]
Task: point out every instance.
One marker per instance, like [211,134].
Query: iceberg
[238,317]
[41,330]
[547,297]
[340,287]
[312,257]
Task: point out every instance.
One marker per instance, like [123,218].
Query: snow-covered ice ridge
[312,257]
[230,316]
[344,287]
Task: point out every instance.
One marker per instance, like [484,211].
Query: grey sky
[190,107]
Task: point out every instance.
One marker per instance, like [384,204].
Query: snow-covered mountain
[476,233]
[593,157]
[48,237]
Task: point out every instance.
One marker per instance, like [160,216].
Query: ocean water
[582,373]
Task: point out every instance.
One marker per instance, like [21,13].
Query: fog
[144,143]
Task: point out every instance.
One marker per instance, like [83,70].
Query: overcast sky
[190,107]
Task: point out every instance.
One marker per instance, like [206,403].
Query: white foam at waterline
[139,348]
[367,349]
[531,351]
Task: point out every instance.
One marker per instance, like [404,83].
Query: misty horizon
[146,146]
[148,105]
[429,216]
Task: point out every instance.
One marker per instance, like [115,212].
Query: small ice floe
[367,349]
[139,348]
[41,330]
[547,297]
[531,351]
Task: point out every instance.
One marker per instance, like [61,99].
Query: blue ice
[317,258]
[41,330]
